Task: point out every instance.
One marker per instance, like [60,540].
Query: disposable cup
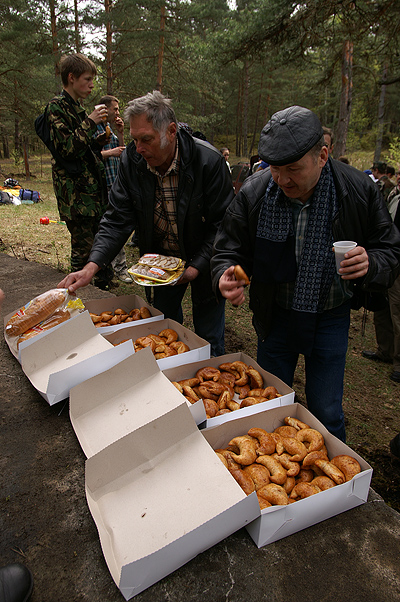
[104,118]
[341,247]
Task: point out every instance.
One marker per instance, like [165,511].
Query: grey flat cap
[289,135]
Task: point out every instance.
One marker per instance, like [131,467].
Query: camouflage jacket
[72,133]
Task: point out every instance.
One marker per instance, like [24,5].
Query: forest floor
[371,400]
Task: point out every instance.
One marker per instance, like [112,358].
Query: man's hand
[188,275]
[99,114]
[230,288]
[113,152]
[119,125]
[355,265]
[79,279]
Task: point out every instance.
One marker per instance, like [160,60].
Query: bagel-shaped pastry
[222,458]
[227,367]
[243,479]
[348,465]
[213,387]
[277,472]
[278,443]
[188,391]
[192,382]
[208,373]
[309,460]
[275,494]
[263,502]
[256,393]
[157,339]
[255,378]
[289,484]
[266,443]
[168,352]
[226,378]
[146,342]
[296,449]
[251,401]
[106,316]
[169,335]
[177,386]
[303,490]
[311,436]
[135,314]
[240,275]
[323,482]
[259,474]
[292,468]
[305,476]
[179,347]
[243,391]
[270,393]
[205,393]
[331,471]
[144,313]
[222,400]
[102,324]
[210,407]
[286,431]
[296,423]
[240,367]
[247,450]
[115,320]
[232,405]
[95,318]
[120,311]
[222,412]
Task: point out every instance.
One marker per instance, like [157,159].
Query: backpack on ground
[25,194]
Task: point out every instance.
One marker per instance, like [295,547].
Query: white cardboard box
[125,302]
[278,522]
[189,371]
[68,355]
[120,400]
[159,496]
[199,348]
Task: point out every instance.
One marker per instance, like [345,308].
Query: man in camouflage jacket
[81,190]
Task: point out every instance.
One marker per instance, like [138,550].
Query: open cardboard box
[189,371]
[278,522]
[68,355]
[199,348]
[159,496]
[125,302]
[112,404]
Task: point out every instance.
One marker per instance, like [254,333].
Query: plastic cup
[105,116]
[341,247]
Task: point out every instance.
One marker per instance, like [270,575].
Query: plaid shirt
[340,290]
[111,163]
[165,226]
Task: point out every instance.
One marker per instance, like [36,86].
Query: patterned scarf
[275,253]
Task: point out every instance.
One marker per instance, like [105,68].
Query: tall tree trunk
[345,100]
[17,131]
[107,6]
[245,105]
[54,43]
[76,28]
[26,160]
[161,49]
[256,126]
[381,116]
[238,122]
[6,147]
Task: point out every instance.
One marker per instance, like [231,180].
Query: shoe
[395,376]
[16,583]
[124,276]
[372,355]
[395,446]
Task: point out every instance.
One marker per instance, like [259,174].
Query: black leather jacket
[362,217]
[204,192]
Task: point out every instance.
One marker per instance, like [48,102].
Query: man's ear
[71,78]
[323,156]
[171,129]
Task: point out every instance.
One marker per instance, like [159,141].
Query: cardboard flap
[144,488]
[120,400]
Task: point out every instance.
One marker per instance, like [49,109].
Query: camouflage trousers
[83,231]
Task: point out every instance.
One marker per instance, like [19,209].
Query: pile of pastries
[286,465]
[231,386]
[119,316]
[164,344]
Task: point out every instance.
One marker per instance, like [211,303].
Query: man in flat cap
[280,228]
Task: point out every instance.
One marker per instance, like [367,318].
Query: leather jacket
[204,192]
[362,216]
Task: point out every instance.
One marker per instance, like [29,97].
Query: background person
[82,197]
[225,153]
[111,153]
[173,190]
[280,228]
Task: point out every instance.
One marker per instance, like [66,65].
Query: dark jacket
[362,216]
[204,192]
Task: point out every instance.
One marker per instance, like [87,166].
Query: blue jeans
[208,313]
[324,367]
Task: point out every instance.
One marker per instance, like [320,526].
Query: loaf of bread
[39,309]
